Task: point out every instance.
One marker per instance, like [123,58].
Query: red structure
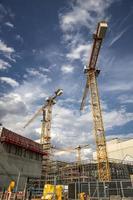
[18,140]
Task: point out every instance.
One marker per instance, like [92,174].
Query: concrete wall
[14,163]
[118,149]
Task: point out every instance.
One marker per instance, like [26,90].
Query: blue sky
[44,46]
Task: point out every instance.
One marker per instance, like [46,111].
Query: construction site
[109,175]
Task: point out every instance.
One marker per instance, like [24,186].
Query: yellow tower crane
[79,148]
[91,83]
[70,149]
[46,111]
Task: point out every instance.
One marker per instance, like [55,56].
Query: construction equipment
[52,192]
[91,82]
[70,149]
[11,186]
[46,110]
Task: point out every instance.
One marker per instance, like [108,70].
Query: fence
[94,190]
[101,190]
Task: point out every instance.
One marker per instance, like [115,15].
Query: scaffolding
[66,173]
[84,179]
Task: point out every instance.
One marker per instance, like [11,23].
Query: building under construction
[33,164]
[20,158]
[87,171]
[83,178]
[20,155]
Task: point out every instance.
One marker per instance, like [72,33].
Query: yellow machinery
[11,186]
[83,196]
[52,192]
[91,83]
[46,110]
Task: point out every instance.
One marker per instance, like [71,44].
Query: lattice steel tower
[91,83]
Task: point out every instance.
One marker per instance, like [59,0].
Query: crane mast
[79,155]
[78,149]
[91,83]
[46,133]
[45,139]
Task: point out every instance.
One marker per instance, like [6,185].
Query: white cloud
[68,100]
[31,91]
[66,69]
[74,17]
[124,99]
[7,51]
[9,81]
[4,48]
[72,155]
[33,72]
[11,105]
[69,128]
[9,24]
[38,73]
[84,13]
[4,65]
[118,86]
[43,69]
[81,51]
[87,153]
[116,118]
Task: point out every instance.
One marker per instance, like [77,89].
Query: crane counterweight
[101,29]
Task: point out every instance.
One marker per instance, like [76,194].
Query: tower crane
[45,140]
[91,83]
[70,149]
[79,148]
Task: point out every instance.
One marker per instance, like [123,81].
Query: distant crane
[46,111]
[78,149]
[91,82]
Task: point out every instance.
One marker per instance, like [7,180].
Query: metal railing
[94,190]
[101,190]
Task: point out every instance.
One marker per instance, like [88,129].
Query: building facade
[119,149]
[20,158]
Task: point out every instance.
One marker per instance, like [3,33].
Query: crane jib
[95,52]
